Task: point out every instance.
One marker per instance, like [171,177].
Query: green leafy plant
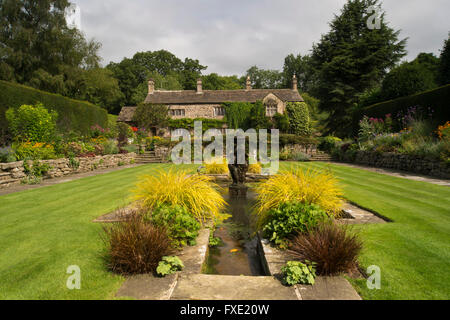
[169,265]
[291,218]
[296,272]
[35,172]
[181,226]
[215,241]
[7,155]
[74,163]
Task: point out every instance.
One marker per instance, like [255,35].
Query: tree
[352,58]
[407,79]
[148,116]
[444,64]
[190,73]
[302,67]
[169,82]
[264,79]
[34,36]
[215,82]
[102,89]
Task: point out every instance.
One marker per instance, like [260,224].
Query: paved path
[69,178]
[399,174]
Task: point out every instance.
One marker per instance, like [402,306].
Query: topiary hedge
[73,115]
[437,99]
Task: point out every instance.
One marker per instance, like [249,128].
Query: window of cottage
[219,111]
[271,108]
[178,112]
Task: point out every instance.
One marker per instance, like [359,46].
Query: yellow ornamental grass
[196,192]
[255,168]
[216,166]
[309,187]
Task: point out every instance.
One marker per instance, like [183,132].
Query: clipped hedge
[73,115]
[438,99]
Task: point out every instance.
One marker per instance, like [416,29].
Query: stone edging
[401,162]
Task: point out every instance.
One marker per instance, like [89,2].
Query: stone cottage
[207,104]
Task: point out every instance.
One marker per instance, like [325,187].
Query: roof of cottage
[220,96]
[126,114]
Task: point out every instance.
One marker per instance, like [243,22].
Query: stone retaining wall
[403,162]
[13,173]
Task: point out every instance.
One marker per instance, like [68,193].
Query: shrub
[7,155]
[73,115]
[195,192]
[333,248]
[169,265]
[300,120]
[32,123]
[110,147]
[298,273]
[308,187]
[327,144]
[291,218]
[35,172]
[34,151]
[135,246]
[181,226]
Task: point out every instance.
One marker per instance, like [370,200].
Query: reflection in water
[238,253]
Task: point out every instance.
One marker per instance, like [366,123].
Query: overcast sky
[229,36]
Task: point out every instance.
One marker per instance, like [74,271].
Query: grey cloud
[230,36]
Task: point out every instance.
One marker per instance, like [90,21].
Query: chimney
[294,83]
[151,86]
[249,84]
[199,86]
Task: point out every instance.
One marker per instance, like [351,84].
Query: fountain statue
[239,174]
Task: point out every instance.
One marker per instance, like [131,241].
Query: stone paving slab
[148,287]
[360,216]
[214,287]
[329,288]
[325,288]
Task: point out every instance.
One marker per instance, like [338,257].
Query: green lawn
[43,231]
[413,252]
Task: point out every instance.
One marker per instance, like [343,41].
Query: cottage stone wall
[13,173]
[194,111]
[403,162]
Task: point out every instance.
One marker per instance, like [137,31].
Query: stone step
[215,287]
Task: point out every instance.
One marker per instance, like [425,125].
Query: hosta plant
[291,218]
[181,226]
